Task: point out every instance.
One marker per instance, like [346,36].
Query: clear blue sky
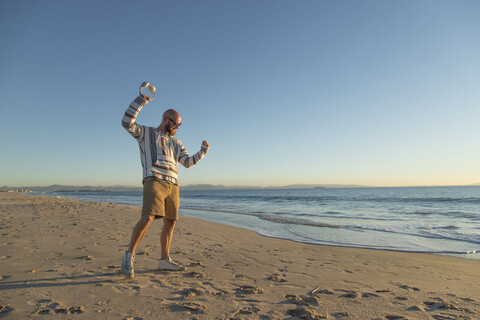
[351,92]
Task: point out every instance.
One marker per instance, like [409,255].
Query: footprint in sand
[86,258]
[191,292]
[192,307]
[4,309]
[317,290]
[4,277]
[196,264]
[350,294]
[341,315]
[467,299]
[440,305]
[194,274]
[303,300]
[277,278]
[248,290]
[44,311]
[128,290]
[395,317]
[305,313]
[111,267]
[42,302]
[245,311]
[408,288]
[75,310]
[416,308]
[369,295]
[382,290]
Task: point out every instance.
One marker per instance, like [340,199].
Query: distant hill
[68,188]
[311,186]
[214,187]
[292,186]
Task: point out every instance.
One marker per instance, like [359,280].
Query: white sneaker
[169,264]
[127,265]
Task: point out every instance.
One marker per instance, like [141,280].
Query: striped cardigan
[160,153]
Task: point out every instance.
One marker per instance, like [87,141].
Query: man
[160,153]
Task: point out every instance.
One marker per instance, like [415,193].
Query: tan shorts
[160,199]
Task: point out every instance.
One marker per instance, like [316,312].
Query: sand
[60,258]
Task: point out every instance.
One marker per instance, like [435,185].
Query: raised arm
[188,161]
[128,121]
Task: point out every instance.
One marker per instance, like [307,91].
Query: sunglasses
[176,124]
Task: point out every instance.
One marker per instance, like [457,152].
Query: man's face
[172,125]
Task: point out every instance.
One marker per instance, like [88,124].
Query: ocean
[442,220]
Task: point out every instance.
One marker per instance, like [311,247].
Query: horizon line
[305,185]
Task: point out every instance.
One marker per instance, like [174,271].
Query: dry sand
[60,258]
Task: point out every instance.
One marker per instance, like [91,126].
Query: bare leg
[139,232]
[166,237]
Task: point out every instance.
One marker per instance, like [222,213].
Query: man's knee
[146,219]
[168,223]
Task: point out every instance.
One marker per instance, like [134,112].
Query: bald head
[171,113]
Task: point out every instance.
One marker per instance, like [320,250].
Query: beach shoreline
[425,220]
[62,256]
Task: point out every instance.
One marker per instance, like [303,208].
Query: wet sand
[62,257]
